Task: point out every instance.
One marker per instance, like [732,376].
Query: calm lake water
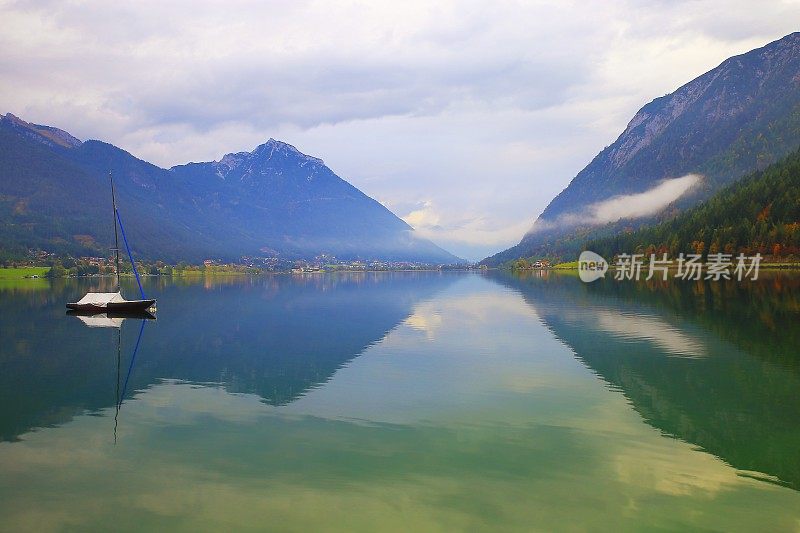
[404,402]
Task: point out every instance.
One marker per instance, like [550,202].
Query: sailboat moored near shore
[114,302]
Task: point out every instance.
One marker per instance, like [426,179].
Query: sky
[463,118]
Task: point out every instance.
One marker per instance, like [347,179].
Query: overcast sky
[464,118]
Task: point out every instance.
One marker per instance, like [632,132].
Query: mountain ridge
[739,117]
[271,201]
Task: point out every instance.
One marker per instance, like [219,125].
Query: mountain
[739,117]
[758,214]
[310,209]
[273,201]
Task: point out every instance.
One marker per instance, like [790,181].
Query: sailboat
[114,302]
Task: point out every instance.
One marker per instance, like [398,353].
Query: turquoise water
[405,401]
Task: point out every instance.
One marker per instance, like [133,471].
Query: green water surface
[405,402]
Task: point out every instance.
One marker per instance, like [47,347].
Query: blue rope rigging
[130,367]
[130,255]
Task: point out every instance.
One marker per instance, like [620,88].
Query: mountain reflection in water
[715,364]
[274,336]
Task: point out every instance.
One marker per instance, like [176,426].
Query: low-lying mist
[630,206]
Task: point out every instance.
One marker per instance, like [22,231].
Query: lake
[402,402]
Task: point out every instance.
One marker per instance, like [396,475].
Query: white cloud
[424,217]
[474,237]
[626,206]
[642,204]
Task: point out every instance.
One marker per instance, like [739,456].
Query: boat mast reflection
[115,320]
[121,394]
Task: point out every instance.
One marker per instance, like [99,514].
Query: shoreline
[6,275]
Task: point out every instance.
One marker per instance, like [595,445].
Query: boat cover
[101,298]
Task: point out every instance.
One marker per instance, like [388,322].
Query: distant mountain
[737,118]
[273,201]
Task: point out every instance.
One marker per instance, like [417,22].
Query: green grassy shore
[22,273]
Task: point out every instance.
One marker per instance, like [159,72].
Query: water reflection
[120,396]
[715,364]
[274,336]
[469,414]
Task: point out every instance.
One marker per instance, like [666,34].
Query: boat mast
[116,234]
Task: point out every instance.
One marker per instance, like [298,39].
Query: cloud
[642,204]
[628,206]
[474,236]
[272,63]
[423,218]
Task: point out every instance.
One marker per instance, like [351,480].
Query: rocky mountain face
[739,117]
[310,209]
[273,201]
